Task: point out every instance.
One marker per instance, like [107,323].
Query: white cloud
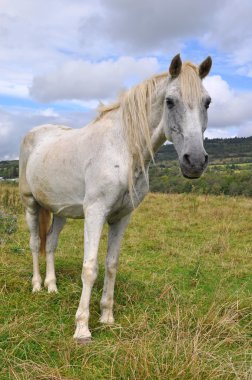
[229,109]
[16,122]
[245,130]
[5,129]
[231,33]
[212,133]
[37,36]
[218,89]
[48,112]
[145,26]
[42,37]
[87,81]
[79,52]
[12,89]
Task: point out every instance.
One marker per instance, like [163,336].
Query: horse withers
[100,172]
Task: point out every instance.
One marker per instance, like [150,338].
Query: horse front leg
[94,220]
[116,232]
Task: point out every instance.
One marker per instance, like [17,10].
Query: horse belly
[70,211]
[62,204]
[62,195]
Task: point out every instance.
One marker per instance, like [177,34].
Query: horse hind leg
[51,245]
[32,218]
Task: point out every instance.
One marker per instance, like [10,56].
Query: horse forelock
[190,84]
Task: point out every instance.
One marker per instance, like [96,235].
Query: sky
[59,58]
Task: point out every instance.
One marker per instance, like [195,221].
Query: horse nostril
[206,159]
[187,159]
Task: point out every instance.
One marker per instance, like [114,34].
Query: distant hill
[229,171]
[9,169]
[234,150]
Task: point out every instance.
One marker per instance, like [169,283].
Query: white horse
[100,172]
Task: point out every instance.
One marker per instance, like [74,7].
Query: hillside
[9,169]
[233,150]
[229,171]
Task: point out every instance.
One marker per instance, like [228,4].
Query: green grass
[182,299]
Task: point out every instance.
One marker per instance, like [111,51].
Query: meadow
[182,298]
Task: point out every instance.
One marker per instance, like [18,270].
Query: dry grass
[183,297]
[9,197]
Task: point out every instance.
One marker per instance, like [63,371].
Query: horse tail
[44,226]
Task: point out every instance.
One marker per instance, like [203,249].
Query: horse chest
[127,203]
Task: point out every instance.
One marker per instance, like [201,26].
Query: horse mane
[134,105]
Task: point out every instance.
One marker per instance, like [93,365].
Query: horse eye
[207,103]
[170,103]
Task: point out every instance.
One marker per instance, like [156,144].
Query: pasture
[182,298]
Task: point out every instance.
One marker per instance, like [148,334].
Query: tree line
[227,180]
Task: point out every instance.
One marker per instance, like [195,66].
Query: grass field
[182,299]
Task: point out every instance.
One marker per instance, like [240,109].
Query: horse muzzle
[192,166]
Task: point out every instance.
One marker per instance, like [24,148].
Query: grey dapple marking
[100,172]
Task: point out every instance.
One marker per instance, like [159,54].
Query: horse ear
[205,67]
[175,66]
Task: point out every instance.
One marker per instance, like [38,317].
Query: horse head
[185,114]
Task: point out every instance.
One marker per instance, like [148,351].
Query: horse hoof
[83,340]
[107,321]
[36,288]
[107,317]
[52,289]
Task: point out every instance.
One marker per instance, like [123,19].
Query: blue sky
[60,58]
